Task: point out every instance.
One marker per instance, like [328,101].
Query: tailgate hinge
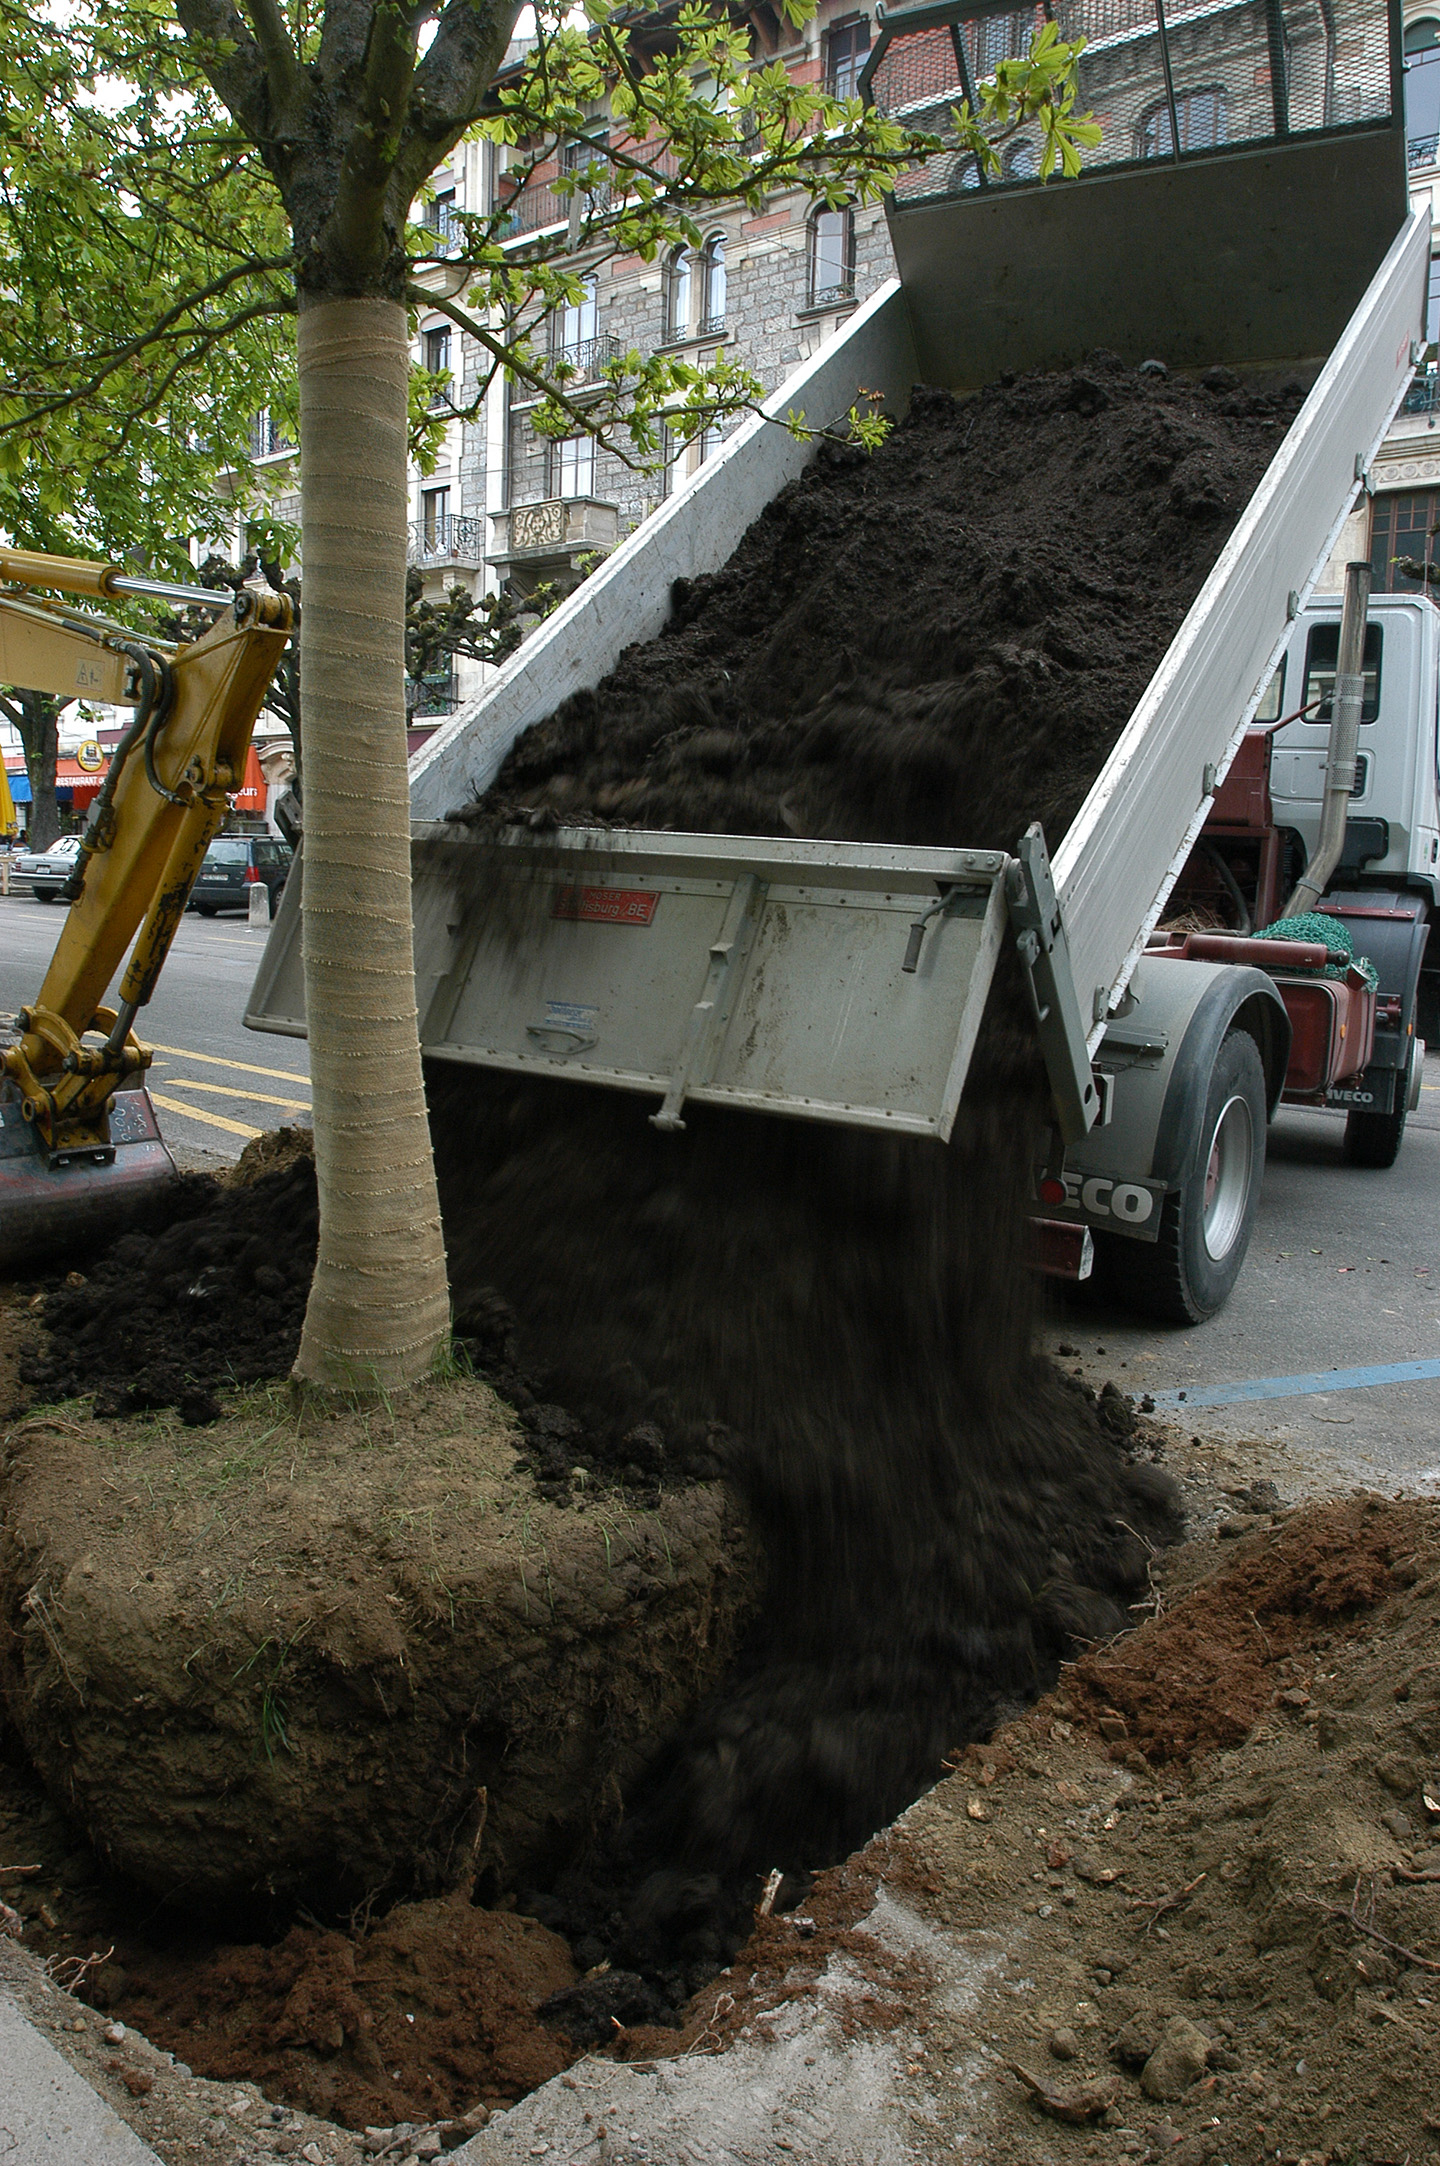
[1045,953]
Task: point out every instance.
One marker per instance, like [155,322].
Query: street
[1343,1271]
[214,1083]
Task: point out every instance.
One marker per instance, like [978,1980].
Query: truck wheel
[1188,1273]
[1373,1139]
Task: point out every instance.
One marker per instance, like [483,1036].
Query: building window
[1403,526]
[1422,92]
[1201,115]
[679,291]
[267,437]
[832,258]
[682,460]
[574,323]
[572,466]
[712,307]
[440,220]
[847,48]
[435,517]
[436,346]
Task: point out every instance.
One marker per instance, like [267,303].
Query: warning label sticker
[606,905]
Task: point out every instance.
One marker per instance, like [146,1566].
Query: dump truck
[1255,226]
[846,982]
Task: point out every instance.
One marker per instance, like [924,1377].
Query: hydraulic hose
[156,695]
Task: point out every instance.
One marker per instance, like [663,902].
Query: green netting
[1331,934]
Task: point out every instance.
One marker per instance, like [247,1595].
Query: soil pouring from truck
[846,982]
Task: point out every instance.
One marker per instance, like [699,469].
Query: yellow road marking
[213,1060]
[234,1090]
[211,1120]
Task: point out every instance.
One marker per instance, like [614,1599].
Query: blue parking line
[1295,1387]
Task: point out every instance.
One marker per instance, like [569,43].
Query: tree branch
[119,355]
[282,67]
[238,75]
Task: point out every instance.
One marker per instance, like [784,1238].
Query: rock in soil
[345,1656]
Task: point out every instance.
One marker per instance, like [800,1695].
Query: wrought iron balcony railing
[447,539]
[588,357]
[446,234]
[1423,397]
[1422,150]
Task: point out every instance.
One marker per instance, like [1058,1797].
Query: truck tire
[1373,1139]
[1188,1273]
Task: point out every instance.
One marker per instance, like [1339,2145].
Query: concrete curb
[49,2116]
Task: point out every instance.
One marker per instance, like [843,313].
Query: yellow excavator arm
[161,802]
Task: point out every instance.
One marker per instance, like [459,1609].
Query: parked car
[233,865]
[45,872]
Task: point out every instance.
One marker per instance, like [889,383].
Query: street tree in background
[349,106]
[116,443]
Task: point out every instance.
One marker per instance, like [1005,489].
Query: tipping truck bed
[845,982]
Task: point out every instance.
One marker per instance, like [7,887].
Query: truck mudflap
[1390,927]
[1155,1063]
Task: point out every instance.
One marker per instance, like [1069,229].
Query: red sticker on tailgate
[606,905]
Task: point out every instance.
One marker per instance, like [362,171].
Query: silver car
[45,872]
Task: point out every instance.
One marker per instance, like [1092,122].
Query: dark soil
[937,644]
[213,1301]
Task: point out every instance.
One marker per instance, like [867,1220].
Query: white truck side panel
[696,531]
[1115,867]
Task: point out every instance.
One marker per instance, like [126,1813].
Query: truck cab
[1393,835]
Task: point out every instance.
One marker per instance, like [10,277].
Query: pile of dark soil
[213,1300]
[937,644]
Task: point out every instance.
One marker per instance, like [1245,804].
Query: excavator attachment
[81,1153]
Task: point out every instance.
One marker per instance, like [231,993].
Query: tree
[349,106]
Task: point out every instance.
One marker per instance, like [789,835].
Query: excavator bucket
[87,1198]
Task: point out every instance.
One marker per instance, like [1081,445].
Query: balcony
[445,235]
[559,527]
[1422,150]
[588,358]
[537,206]
[447,540]
[1423,397]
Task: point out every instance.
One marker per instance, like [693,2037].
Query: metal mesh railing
[1166,79]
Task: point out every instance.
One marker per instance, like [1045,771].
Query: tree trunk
[379,1306]
[39,724]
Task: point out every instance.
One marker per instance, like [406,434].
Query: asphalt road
[1343,1271]
[214,1083]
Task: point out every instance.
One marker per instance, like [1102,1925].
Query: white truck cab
[1393,836]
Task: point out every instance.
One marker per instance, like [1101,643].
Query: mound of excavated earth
[344,1657]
